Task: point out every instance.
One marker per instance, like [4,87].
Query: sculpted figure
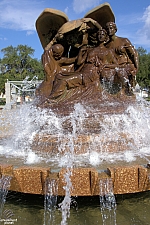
[107,63]
[93,64]
[126,55]
[54,63]
[80,57]
[68,40]
[84,76]
[101,59]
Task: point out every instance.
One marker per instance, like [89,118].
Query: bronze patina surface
[84,58]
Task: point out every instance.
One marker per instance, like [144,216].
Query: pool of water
[132,209]
[18,131]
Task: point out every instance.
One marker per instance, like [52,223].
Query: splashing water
[107,202]
[39,136]
[85,137]
[4,185]
[65,204]
[51,192]
[70,156]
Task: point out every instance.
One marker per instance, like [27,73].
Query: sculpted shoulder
[122,41]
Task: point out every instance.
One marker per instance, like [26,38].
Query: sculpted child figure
[54,63]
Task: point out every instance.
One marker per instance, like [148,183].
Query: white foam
[131,128]
[32,158]
[129,156]
[94,158]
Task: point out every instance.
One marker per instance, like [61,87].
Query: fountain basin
[111,143]
[85,181]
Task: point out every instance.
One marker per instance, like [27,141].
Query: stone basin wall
[85,181]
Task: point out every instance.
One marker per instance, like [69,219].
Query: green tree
[18,63]
[143,75]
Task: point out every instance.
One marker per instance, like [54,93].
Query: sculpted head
[58,50]
[111,28]
[102,35]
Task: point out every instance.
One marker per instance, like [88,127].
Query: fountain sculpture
[84,109]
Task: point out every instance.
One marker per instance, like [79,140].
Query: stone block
[129,179]
[16,181]
[29,179]
[94,178]
[6,169]
[142,178]
[148,178]
[80,180]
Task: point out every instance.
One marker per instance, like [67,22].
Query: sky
[18,17]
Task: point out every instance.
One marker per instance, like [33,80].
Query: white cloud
[142,37]
[146,19]
[29,32]
[66,10]
[19,15]
[80,6]
[129,19]
[3,39]
[136,27]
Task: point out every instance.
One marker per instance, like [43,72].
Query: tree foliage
[143,75]
[18,63]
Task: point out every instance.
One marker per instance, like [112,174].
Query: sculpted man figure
[126,55]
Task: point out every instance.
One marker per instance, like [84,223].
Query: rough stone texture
[85,181]
[29,179]
[129,179]
[94,178]
[6,169]
[81,181]
[148,178]
[126,180]
[143,178]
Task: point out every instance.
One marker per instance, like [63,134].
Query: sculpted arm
[132,53]
[46,61]
[82,56]
[66,61]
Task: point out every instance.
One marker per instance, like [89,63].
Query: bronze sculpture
[126,56]
[53,63]
[85,56]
